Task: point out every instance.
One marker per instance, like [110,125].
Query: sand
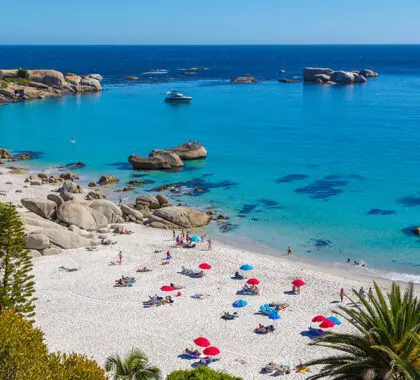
[82,311]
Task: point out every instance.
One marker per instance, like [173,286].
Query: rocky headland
[17,85]
[328,76]
[161,159]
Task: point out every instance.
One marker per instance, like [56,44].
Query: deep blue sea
[332,171]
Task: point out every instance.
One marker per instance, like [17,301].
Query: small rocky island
[328,76]
[17,85]
[160,159]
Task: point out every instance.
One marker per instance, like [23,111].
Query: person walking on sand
[370,294]
[342,294]
[289,251]
[120,257]
[209,244]
[173,234]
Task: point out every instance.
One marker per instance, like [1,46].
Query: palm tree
[387,344]
[134,366]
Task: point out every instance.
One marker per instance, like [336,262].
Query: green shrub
[21,81]
[200,373]
[3,84]
[22,73]
[75,367]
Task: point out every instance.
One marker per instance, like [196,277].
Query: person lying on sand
[142,270]
[192,352]
[176,286]
[238,276]
[264,329]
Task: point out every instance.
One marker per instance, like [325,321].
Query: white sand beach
[82,311]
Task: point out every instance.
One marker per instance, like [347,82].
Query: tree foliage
[22,73]
[387,344]
[24,355]
[134,366]
[200,373]
[16,279]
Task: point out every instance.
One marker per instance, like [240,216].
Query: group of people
[261,329]
[251,289]
[355,262]
[361,292]
[184,240]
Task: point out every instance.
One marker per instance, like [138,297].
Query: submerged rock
[108,180]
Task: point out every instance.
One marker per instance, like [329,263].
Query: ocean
[331,171]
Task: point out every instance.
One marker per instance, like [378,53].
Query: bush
[21,81]
[22,73]
[24,355]
[200,373]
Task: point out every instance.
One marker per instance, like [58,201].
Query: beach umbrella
[240,303]
[298,282]
[253,281]
[167,288]
[211,351]
[195,239]
[202,342]
[327,324]
[334,320]
[246,267]
[204,266]
[274,316]
[319,318]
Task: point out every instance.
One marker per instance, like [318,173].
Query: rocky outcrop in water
[190,151]
[328,76]
[148,163]
[244,80]
[23,85]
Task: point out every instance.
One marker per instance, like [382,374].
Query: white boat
[155,72]
[175,96]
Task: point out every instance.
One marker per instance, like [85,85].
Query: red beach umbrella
[298,282]
[211,351]
[319,318]
[204,266]
[202,342]
[327,324]
[167,288]
[253,281]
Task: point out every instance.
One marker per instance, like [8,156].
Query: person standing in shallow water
[209,244]
[289,251]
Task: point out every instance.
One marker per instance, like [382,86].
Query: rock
[342,77]
[98,77]
[112,213]
[70,187]
[132,78]
[17,170]
[92,184]
[88,84]
[55,198]
[66,239]
[51,78]
[162,199]
[35,223]
[322,78]
[51,251]
[359,78]
[5,154]
[135,182]
[36,183]
[69,176]
[148,200]
[310,72]
[221,217]
[33,253]
[73,166]
[287,80]
[81,215]
[42,207]
[127,210]
[368,73]
[244,80]
[416,231]
[66,196]
[94,195]
[8,93]
[73,79]
[190,151]
[108,180]
[24,156]
[125,189]
[180,216]
[170,157]
[37,241]
[148,163]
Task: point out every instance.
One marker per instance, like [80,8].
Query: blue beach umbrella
[195,239]
[335,320]
[240,303]
[246,267]
[274,316]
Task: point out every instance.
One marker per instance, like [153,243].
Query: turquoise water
[291,164]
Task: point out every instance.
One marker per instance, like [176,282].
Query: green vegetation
[20,81]
[16,279]
[24,355]
[200,373]
[134,366]
[22,73]
[3,84]
[387,345]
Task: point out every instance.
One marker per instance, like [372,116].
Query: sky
[212,22]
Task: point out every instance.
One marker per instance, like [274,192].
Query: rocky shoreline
[18,85]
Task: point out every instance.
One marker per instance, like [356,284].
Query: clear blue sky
[210,22]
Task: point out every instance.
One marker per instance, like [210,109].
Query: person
[362,292]
[342,294]
[120,257]
[187,237]
[294,289]
[178,241]
[289,251]
[370,294]
[203,238]
[209,244]
[73,140]
[168,255]
[173,234]
[348,260]
[120,201]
